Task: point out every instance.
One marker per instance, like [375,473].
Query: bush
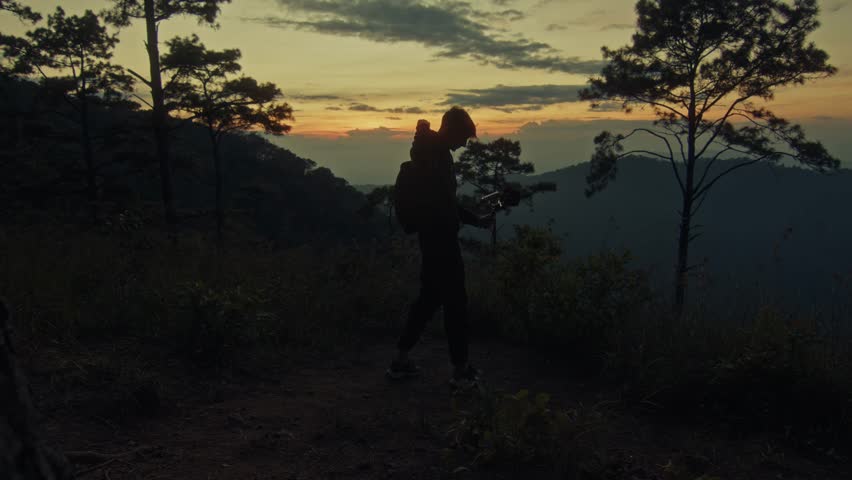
[519,430]
[535,297]
[217,321]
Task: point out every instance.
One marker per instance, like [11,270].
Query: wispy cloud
[835,7]
[606,107]
[317,97]
[455,28]
[599,18]
[618,26]
[363,107]
[413,110]
[509,98]
[511,15]
[585,19]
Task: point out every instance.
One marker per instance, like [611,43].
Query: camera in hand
[506,198]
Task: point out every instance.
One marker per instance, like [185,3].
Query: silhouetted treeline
[268,189]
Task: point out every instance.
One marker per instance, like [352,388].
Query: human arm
[470,218]
[467,217]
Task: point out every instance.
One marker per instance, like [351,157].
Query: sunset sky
[359,73]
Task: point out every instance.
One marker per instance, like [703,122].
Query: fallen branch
[89,457]
[94,468]
[100,459]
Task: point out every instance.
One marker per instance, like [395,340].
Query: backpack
[409,198]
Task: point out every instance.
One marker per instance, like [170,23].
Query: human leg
[454,299]
[419,313]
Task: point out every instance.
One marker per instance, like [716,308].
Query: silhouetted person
[442,269]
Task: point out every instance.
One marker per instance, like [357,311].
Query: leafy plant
[522,429]
[538,297]
[219,319]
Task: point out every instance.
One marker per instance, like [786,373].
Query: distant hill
[774,229]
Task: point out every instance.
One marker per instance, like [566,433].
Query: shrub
[534,296]
[522,429]
[219,320]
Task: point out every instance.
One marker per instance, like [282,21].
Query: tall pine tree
[707,68]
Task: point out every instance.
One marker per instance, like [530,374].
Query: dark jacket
[444,212]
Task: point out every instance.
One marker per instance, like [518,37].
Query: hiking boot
[465,377]
[402,369]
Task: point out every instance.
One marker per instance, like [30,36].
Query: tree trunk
[497,180]
[88,158]
[23,454]
[682,268]
[220,210]
[159,117]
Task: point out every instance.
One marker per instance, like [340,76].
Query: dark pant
[441,284]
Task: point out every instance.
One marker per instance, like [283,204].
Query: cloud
[586,19]
[363,107]
[412,110]
[317,97]
[455,28]
[394,118]
[606,107]
[511,98]
[511,15]
[618,26]
[599,18]
[334,108]
[382,133]
[836,6]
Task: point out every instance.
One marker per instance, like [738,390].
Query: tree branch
[142,100]
[721,124]
[647,152]
[697,207]
[140,77]
[710,164]
[729,170]
[670,158]
[661,105]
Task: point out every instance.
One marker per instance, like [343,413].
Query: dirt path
[340,418]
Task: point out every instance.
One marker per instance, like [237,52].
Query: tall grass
[769,367]
[66,286]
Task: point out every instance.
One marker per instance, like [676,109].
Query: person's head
[457,127]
